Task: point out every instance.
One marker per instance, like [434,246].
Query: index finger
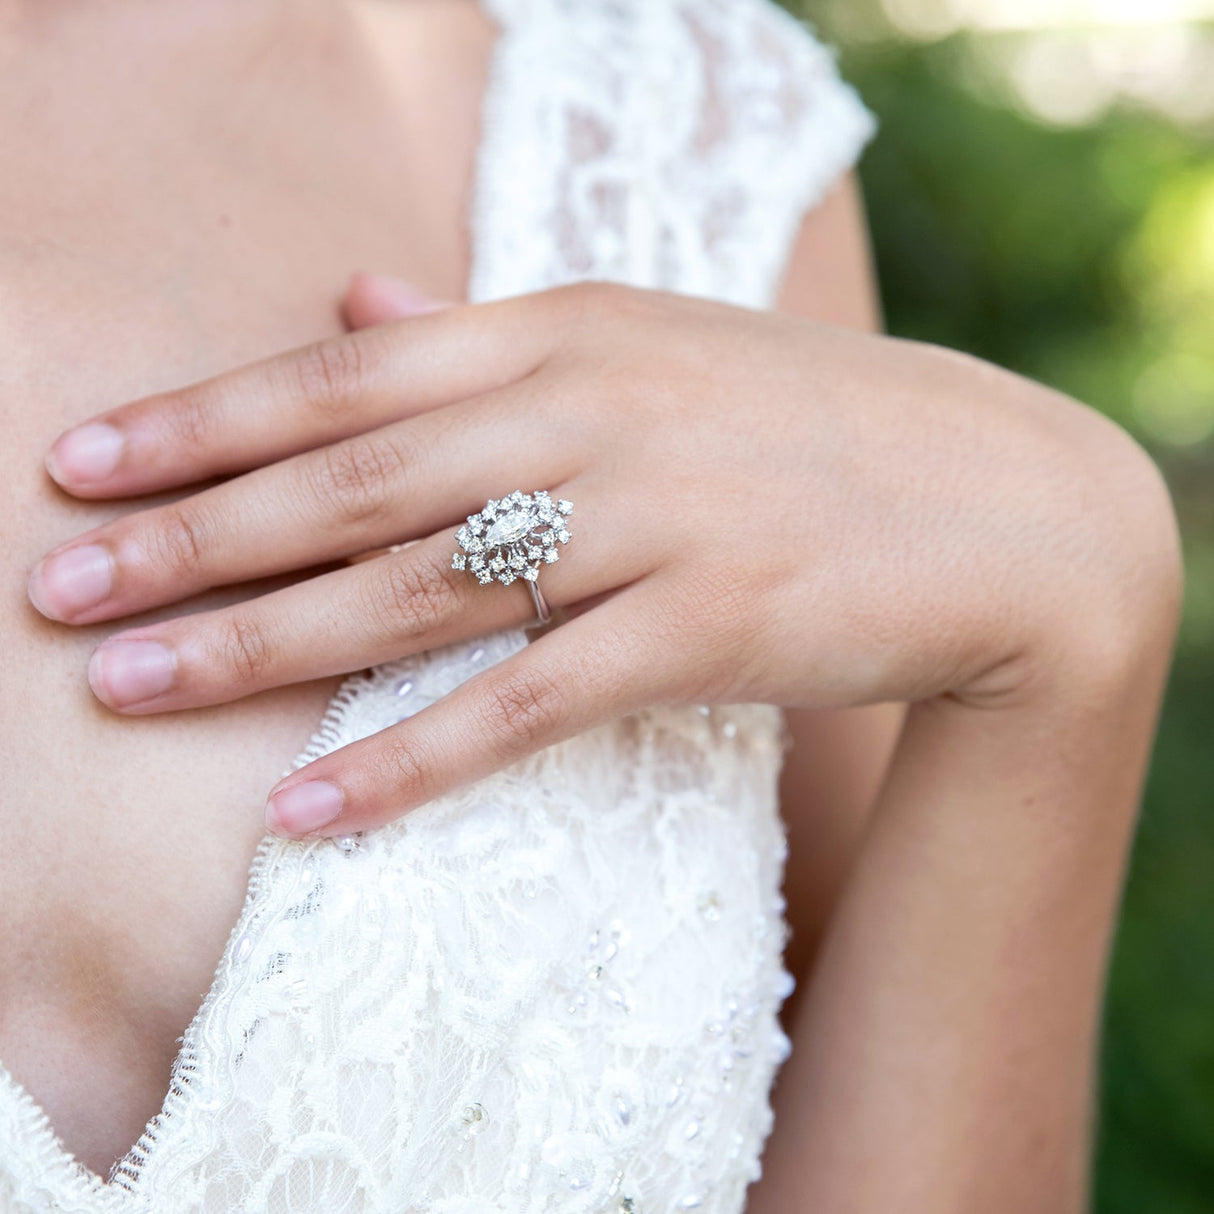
[293,402]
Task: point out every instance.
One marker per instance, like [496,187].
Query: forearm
[943,1058]
[832,774]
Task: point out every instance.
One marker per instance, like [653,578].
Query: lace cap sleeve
[663,143]
[772,128]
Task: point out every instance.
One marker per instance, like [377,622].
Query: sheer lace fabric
[555,990]
[673,144]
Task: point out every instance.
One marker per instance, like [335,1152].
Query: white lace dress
[554,992]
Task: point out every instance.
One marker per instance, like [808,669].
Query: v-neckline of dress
[53,1162]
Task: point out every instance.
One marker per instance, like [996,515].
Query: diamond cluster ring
[511,538]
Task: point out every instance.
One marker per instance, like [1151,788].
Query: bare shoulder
[829,275]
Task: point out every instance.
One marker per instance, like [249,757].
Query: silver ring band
[542,612]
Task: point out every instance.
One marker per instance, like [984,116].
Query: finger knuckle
[246,649]
[596,293]
[411,598]
[602,301]
[330,375]
[399,765]
[357,481]
[585,306]
[520,709]
[178,541]
[191,420]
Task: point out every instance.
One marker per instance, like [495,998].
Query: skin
[391,433]
[836,758]
[1031,634]
[127,852]
[132,260]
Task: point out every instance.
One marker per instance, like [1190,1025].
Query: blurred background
[1041,194]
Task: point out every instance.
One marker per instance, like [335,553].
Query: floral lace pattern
[555,990]
[673,144]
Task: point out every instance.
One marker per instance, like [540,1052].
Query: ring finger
[400,603]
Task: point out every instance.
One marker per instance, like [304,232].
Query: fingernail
[303,808]
[62,585]
[124,672]
[87,453]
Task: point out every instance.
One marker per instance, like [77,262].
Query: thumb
[373,299]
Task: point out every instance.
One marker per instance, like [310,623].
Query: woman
[515,940]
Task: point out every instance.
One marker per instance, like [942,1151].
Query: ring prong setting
[512,537]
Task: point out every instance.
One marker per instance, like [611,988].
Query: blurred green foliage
[1084,257]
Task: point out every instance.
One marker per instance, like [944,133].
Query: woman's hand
[766,510]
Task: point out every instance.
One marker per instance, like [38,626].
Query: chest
[165,215]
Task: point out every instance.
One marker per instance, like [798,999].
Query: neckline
[48,1160]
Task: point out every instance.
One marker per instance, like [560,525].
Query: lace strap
[666,143]
[778,128]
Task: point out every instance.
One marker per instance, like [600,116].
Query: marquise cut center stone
[510,527]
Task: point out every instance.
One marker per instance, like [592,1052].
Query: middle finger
[390,485]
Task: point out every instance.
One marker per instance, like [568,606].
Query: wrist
[1101,610]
